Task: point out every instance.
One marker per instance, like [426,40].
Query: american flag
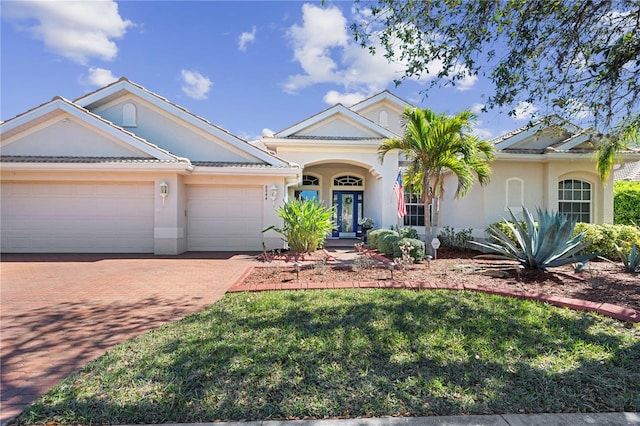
[397,188]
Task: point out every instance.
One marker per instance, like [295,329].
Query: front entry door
[347,211]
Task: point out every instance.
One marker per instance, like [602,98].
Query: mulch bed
[599,281]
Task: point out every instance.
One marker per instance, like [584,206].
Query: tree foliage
[306,224]
[435,144]
[626,203]
[574,57]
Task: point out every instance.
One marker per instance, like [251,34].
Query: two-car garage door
[59,217]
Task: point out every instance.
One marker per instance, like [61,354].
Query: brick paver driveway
[60,311]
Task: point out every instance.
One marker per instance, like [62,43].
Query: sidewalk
[564,419]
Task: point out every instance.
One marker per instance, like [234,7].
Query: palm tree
[435,144]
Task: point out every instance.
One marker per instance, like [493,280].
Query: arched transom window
[347,180]
[310,189]
[310,180]
[574,199]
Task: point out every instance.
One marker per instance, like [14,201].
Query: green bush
[417,248]
[373,237]
[387,242]
[457,240]
[603,239]
[626,203]
[409,232]
[306,224]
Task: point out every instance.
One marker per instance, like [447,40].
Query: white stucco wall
[66,135]
[394,123]
[485,205]
[162,129]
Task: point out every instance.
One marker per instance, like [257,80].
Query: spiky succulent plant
[546,245]
[630,259]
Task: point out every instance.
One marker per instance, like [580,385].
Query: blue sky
[251,67]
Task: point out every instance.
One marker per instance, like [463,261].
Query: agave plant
[631,259]
[306,224]
[546,245]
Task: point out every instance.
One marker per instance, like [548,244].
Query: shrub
[550,243]
[417,250]
[306,224]
[603,239]
[457,240]
[373,237]
[409,232]
[626,199]
[387,242]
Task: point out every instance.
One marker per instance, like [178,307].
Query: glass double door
[347,212]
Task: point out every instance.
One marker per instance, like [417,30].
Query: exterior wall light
[273,193]
[164,190]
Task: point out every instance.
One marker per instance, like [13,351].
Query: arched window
[384,118]
[310,189]
[310,180]
[574,199]
[514,197]
[129,118]
[347,180]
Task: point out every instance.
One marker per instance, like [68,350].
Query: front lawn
[302,354]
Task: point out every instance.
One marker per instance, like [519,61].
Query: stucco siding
[393,115]
[66,136]
[162,129]
[338,126]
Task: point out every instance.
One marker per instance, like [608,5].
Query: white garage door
[222,218]
[77,218]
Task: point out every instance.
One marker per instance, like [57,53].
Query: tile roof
[232,164]
[334,138]
[84,160]
[628,171]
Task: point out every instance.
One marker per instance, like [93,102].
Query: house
[123,169]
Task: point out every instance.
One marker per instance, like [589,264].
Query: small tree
[436,144]
[306,224]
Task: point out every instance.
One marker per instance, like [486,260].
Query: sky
[251,67]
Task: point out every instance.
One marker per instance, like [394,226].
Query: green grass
[357,353]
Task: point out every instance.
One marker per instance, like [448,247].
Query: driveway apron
[59,312]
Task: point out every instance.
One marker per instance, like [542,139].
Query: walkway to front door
[348,211]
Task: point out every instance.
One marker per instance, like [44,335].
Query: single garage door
[52,217]
[224,218]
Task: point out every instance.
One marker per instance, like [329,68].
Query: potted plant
[367,224]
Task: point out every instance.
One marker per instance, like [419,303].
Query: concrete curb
[546,419]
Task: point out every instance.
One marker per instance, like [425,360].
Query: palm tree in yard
[436,144]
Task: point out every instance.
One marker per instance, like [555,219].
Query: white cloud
[326,53]
[246,38]
[267,132]
[195,85]
[477,108]
[466,83]
[578,110]
[483,133]
[100,77]
[333,97]
[77,30]
[524,111]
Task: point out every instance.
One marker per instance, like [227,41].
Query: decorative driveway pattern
[59,312]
